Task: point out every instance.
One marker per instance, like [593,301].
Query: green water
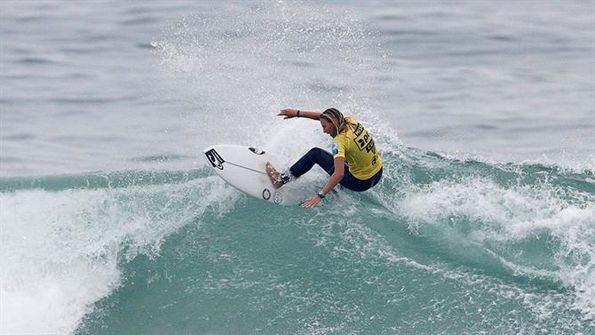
[440,246]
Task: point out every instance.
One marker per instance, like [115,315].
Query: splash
[509,225]
[241,68]
[62,250]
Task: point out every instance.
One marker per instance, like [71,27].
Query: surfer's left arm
[335,178]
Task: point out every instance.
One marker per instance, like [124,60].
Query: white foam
[515,213]
[60,250]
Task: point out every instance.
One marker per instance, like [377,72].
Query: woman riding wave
[354,162]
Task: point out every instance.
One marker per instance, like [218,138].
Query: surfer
[354,162]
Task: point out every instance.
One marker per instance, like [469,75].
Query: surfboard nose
[215,159]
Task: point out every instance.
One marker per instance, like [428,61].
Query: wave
[64,236]
[530,222]
[520,228]
[433,248]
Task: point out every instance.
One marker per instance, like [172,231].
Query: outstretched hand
[311,202]
[288,113]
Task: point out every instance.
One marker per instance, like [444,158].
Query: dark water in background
[483,223]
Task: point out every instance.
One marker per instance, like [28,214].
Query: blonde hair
[336,118]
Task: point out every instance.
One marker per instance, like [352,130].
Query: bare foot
[274,176]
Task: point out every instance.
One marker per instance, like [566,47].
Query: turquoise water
[111,223]
[441,246]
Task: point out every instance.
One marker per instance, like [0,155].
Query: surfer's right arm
[289,113]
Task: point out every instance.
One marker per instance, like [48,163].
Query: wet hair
[336,118]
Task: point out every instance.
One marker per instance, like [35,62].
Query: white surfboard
[244,168]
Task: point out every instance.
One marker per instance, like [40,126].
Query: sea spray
[62,250]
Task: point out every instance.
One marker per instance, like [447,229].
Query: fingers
[311,202]
[288,113]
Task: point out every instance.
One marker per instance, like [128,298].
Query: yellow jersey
[357,147]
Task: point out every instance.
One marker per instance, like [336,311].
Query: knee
[314,152]
[317,150]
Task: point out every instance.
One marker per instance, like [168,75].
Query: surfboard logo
[266,194]
[278,198]
[215,159]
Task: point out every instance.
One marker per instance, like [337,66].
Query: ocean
[112,223]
